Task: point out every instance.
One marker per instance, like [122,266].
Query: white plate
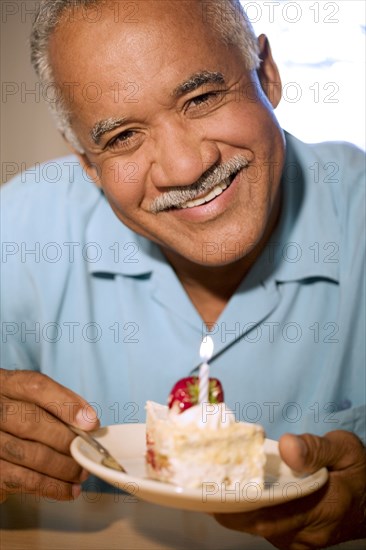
[126,442]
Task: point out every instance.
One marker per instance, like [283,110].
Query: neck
[209,288]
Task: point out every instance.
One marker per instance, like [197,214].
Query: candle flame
[206,349]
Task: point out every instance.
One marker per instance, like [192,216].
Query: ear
[268,73]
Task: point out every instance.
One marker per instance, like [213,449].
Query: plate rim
[184,498]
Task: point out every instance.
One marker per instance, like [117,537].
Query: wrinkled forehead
[135,23]
[126,37]
[129,12]
[142,16]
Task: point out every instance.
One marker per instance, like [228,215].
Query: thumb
[307,453]
[86,417]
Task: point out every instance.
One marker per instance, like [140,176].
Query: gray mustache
[177,196]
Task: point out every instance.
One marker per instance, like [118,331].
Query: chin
[217,254]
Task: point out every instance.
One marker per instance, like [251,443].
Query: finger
[261,524]
[29,421]
[16,479]
[337,450]
[275,521]
[34,387]
[39,457]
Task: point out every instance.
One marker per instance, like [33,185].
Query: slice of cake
[189,444]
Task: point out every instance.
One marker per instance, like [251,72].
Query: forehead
[123,42]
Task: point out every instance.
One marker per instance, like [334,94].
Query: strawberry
[185,393]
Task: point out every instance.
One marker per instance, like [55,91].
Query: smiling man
[194,122]
[189,209]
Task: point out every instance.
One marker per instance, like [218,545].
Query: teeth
[210,195]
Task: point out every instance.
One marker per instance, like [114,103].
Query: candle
[206,351]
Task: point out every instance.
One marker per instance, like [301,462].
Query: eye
[124,140]
[207,99]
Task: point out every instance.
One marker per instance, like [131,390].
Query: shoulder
[333,200]
[43,211]
[56,174]
[335,172]
[44,198]
[342,163]
[330,162]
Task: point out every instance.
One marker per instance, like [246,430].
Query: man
[216,224]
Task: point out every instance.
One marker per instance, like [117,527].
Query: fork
[107,460]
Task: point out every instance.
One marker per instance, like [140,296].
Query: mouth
[213,183]
[210,195]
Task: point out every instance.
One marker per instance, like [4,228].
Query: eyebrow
[197,80]
[104,126]
[194,82]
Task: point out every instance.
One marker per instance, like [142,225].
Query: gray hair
[227,17]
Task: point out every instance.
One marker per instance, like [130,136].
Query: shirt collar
[116,249]
[305,244]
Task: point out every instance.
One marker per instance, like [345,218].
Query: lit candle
[206,351]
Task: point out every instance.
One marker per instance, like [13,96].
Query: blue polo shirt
[98,308]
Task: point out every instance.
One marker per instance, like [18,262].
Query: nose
[181,155]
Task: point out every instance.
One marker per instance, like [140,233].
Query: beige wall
[28,134]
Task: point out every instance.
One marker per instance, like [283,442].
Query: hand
[34,440]
[333,514]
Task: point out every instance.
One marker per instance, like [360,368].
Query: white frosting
[204,415]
